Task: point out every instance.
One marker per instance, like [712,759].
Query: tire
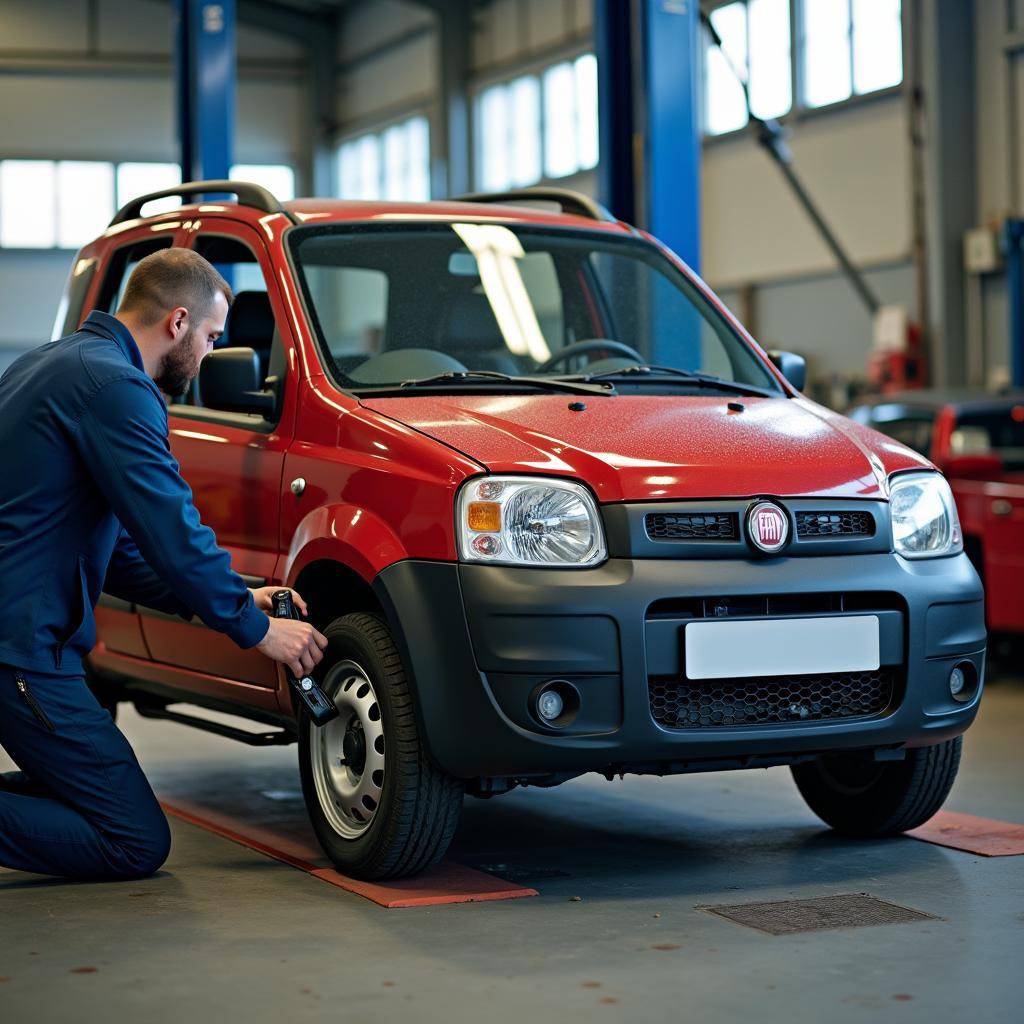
[861,797]
[378,804]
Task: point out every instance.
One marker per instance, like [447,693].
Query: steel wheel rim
[348,752]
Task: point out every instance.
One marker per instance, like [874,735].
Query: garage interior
[860,205]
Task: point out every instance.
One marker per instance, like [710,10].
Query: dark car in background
[977,441]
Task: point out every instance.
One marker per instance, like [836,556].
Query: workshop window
[850,47]
[46,204]
[846,48]
[391,164]
[276,178]
[137,179]
[756,48]
[508,134]
[537,126]
[62,204]
[570,117]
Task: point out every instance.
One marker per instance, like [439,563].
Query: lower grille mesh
[692,525]
[834,524]
[718,703]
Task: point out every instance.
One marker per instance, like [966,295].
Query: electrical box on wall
[981,251]
[889,329]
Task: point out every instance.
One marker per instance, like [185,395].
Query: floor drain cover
[521,874]
[820,914]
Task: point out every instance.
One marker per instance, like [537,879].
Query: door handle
[298,485]
[1001,507]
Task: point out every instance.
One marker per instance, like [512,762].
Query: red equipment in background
[897,362]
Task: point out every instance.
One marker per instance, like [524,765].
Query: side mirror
[791,366]
[229,379]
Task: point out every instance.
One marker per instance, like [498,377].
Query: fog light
[957,681]
[549,705]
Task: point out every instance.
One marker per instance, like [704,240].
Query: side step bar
[277,738]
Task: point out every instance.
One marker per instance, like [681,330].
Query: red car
[977,440]
[557,513]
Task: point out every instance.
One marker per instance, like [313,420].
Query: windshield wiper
[703,380]
[478,376]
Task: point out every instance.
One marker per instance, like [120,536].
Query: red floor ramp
[985,836]
[445,883]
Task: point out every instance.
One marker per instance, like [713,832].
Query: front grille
[692,525]
[720,703]
[834,524]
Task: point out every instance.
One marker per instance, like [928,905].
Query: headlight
[529,521]
[924,519]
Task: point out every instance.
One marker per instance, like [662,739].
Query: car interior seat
[250,324]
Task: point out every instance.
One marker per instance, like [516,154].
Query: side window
[250,322]
[120,268]
[235,260]
[663,322]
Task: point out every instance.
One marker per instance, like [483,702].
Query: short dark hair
[169,278]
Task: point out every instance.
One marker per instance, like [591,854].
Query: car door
[233,462]
[118,623]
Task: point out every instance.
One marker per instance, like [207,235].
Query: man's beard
[179,368]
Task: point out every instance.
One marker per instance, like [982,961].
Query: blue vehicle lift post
[1013,240]
[648,67]
[205,74]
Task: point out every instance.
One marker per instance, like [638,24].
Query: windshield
[392,304]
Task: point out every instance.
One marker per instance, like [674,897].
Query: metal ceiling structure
[648,62]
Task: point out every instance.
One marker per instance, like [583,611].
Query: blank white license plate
[781,647]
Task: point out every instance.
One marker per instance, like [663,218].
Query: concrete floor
[224,933]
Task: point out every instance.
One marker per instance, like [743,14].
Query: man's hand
[263,596]
[293,643]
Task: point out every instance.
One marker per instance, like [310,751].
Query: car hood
[651,447]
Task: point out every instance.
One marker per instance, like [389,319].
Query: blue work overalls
[91,500]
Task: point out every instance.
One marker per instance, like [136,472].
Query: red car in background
[977,440]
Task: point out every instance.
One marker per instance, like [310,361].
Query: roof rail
[570,202]
[249,194]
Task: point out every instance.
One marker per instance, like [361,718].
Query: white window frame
[116,200]
[377,131]
[799,110]
[533,69]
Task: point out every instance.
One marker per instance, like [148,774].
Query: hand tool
[319,706]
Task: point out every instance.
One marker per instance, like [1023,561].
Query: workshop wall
[94,81]
[854,160]
[999,147]
[62,69]
[387,64]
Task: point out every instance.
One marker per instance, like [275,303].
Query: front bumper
[477,640]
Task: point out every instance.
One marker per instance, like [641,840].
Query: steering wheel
[578,348]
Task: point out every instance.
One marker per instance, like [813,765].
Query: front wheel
[859,796]
[378,804]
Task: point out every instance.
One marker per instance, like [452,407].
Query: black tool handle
[284,605]
[320,707]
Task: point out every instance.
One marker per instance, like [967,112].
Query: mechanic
[91,500]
